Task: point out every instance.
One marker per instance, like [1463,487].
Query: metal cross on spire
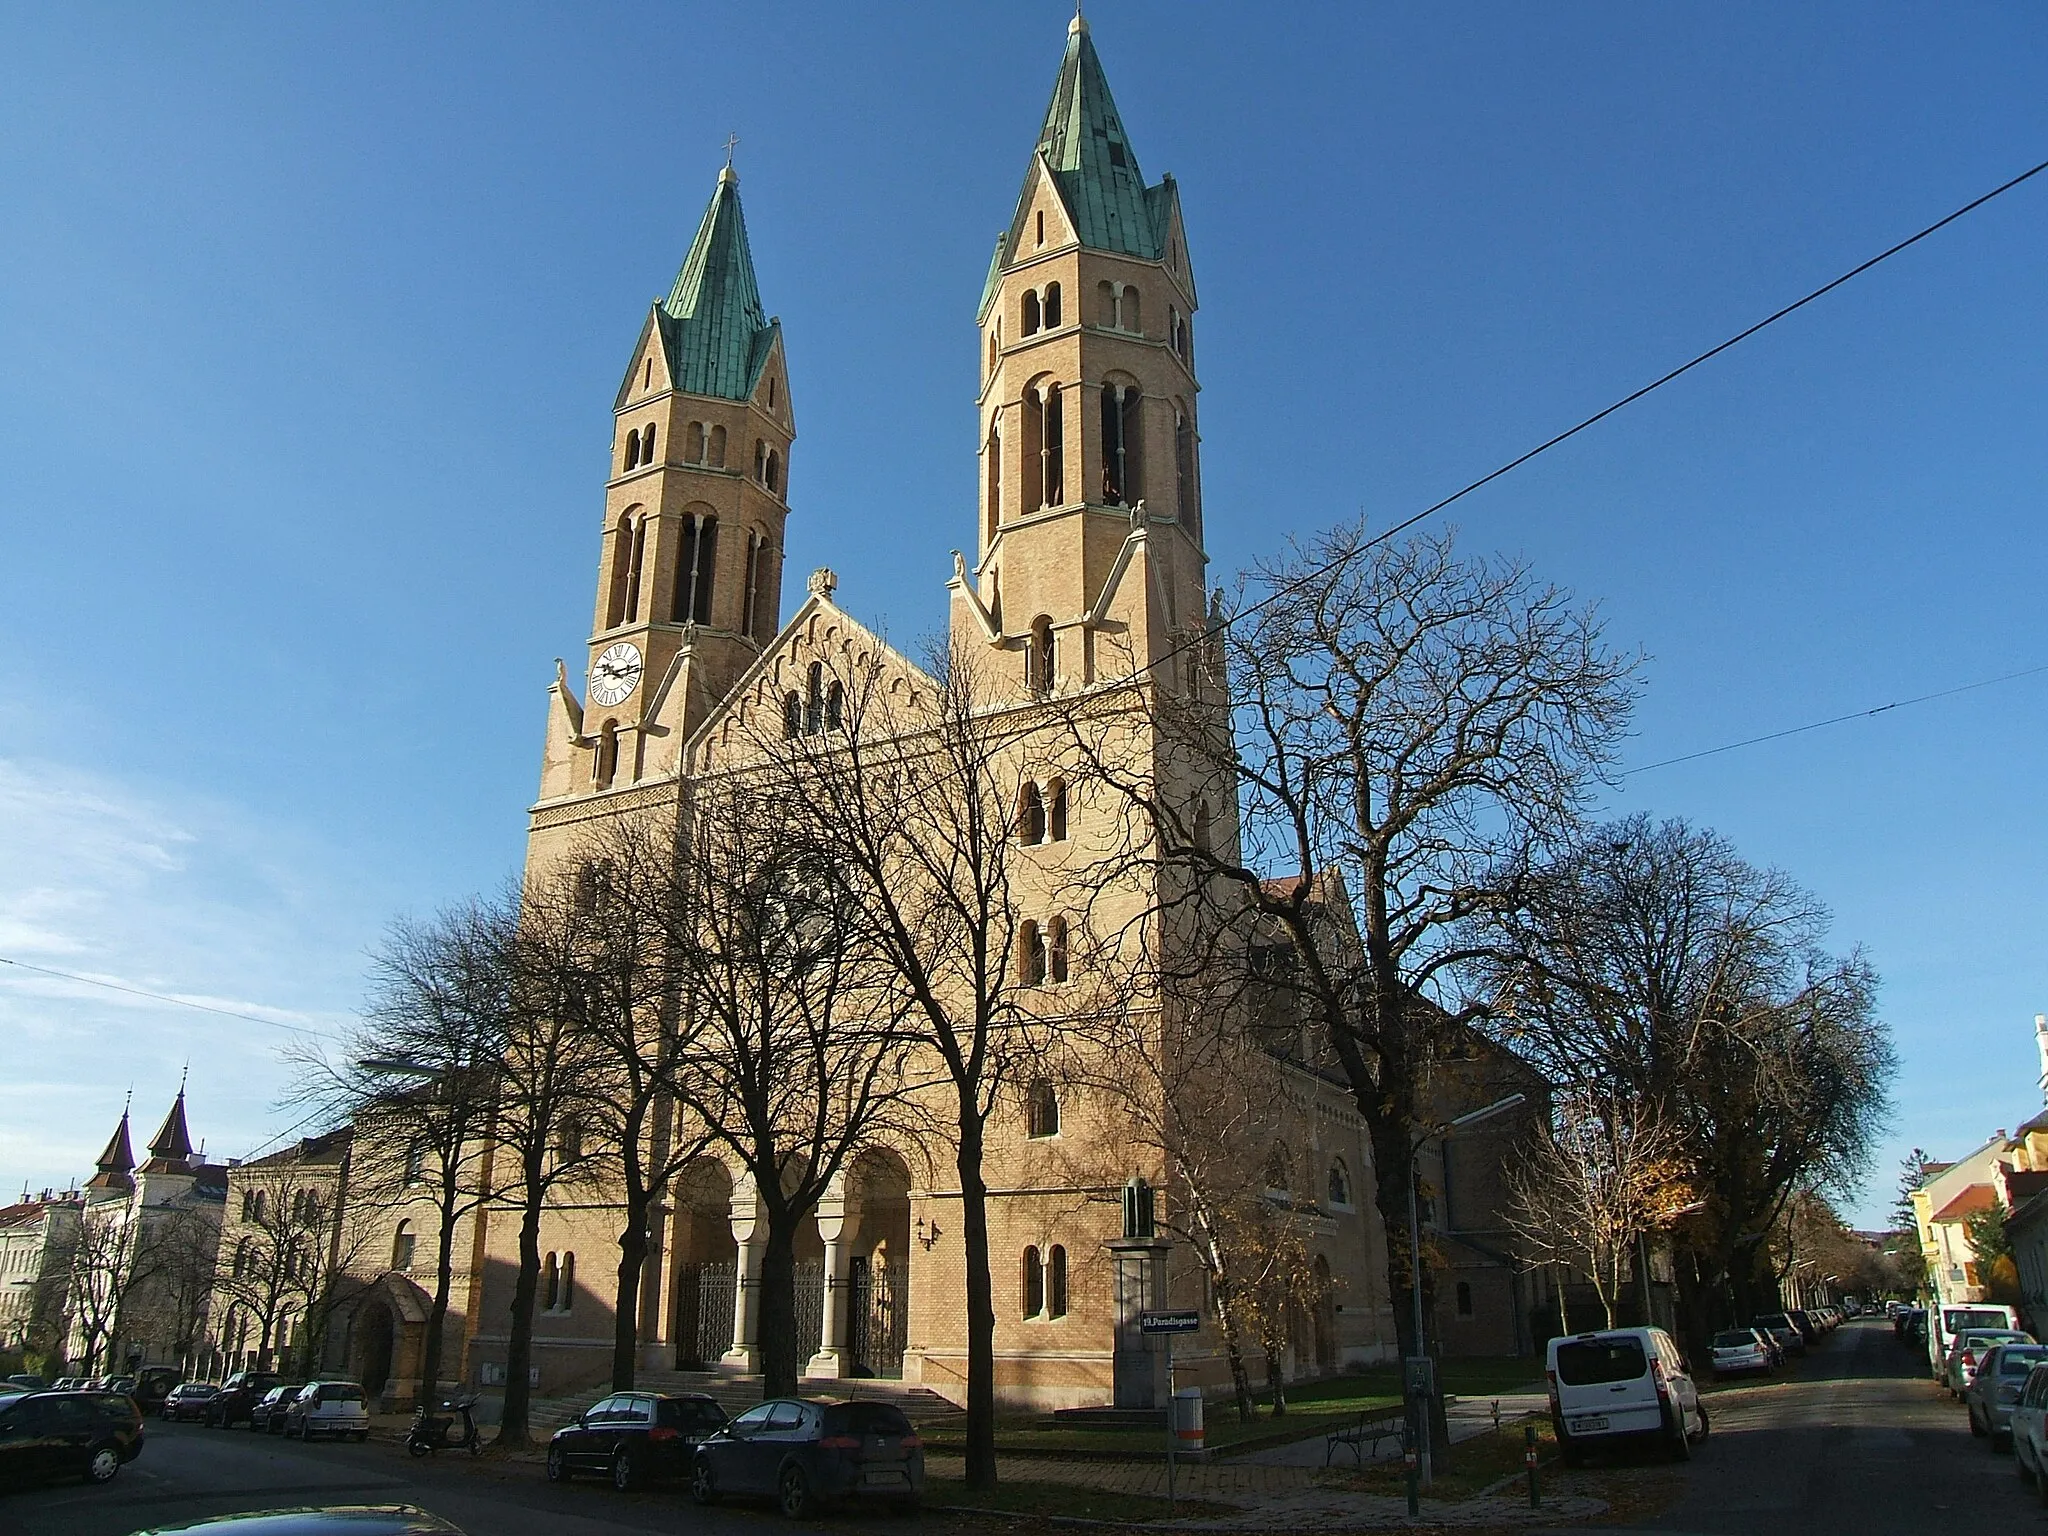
[731,143]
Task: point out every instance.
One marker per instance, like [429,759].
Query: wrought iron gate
[810,1310]
[878,1316]
[704,1305]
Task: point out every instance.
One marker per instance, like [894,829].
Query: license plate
[873,1479]
[1588,1423]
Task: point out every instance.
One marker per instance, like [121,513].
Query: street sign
[1169,1322]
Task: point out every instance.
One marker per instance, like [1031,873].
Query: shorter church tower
[689,583]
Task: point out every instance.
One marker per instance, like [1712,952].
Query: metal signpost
[1168,1324]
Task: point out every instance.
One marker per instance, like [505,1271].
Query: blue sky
[311,318]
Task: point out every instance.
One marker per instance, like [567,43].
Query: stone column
[750,1232]
[829,1363]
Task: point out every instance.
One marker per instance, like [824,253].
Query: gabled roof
[713,330]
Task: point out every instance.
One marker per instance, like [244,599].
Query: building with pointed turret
[1087,574]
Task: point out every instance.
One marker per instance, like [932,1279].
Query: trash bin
[1187,1421]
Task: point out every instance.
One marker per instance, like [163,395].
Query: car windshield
[2015,1361]
[1738,1339]
[1589,1362]
[866,1419]
[341,1392]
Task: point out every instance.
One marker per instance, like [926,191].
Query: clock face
[615,673]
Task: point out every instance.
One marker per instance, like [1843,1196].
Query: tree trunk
[437,1313]
[981,1307]
[1233,1351]
[519,1347]
[1394,1161]
[1274,1384]
[626,1306]
[779,1364]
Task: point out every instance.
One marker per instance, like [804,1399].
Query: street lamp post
[1420,1374]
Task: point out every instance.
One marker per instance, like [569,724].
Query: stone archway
[706,1270]
[877,1261]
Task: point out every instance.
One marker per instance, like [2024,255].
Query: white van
[1622,1381]
[1951,1318]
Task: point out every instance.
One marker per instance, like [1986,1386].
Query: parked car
[329,1520]
[237,1395]
[2029,1429]
[53,1434]
[1622,1382]
[1781,1327]
[1967,1352]
[1948,1320]
[28,1381]
[266,1417]
[330,1408]
[1996,1386]
[1803,1321]
[188,1400]
[153,1384]
[810,1455]
[634,1437]
[1741,1352]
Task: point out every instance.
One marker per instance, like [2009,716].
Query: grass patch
[1476,1464]
[1046,1499]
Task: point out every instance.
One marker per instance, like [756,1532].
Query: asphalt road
[187,1472]
[1862,1444]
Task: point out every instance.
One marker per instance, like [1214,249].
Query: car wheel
[362,1437]
[105,1462]
[1976,1428]
[793,1494]
[1681,1442]
[558,1465]
[625,1476]
[1704,1425]
[703,1486]
[2020,1466]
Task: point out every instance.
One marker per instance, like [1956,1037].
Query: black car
[809,1455]
[188,1400]
[1804,1322]
[153,1383]
[634,1437]
[266,1415]
[46,1435]
[238,1394]
[333,1520]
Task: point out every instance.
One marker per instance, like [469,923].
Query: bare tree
[275,1253]
[792,1054]
[418,1078]
[1653,963]
[1409,725]
[1600,1177]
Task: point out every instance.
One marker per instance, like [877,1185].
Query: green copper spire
[1083,140]
[712,325]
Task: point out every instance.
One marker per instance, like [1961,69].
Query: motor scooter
[437,1432]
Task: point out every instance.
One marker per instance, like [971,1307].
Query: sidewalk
[1469,1416]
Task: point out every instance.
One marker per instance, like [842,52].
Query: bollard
[1413,1471]
[1187,1421]
[1529,1461]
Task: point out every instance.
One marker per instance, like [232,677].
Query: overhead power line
[1598,416]
[1854,714]
[159,997]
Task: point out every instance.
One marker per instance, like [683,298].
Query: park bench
[1364,1437]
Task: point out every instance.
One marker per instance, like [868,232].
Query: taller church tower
[689,586]
[1090,557]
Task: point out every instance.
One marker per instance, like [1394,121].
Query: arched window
[814,699]
[792,716]
[1105,301]
[633,449]
[647,372]
[259,1203]
[1202,831]
[636,556]
[1279,1172]
[1030,954]
[1030,815]
[1056,811]
[550,1282]
[568,1281]
[1131,319]
[696,570]
[993,347]
[1031,305]
[1056,949]
[569,1139]
[1034,1283]
[693,442]
[416,1149]
[994,479]
[718,447]
[245,1256]
[760,461]
[248,1204]
[1186,488]
[1051,307]
[647,444]
[1464,1298]
[771,391]
[1053,475]
[627,548]
[1340,1183]
[754,619]
[1120,439]
[1056,1282]
[1041,660]
[1034,449]
[1042,1109]
[773,479]
[606,767]
[1041,226]
[402,1243]
[835,706]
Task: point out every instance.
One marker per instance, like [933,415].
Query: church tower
[690,565]
[1090,561]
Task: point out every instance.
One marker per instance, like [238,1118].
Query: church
[1088,567]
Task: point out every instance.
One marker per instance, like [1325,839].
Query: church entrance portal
[374,1348]
[707,1266]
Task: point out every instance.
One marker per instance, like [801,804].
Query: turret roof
[172,1140]
[713,329]
[117,1162]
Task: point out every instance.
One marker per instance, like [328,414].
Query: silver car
[1995,1389]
